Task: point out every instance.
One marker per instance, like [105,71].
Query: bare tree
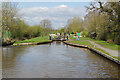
[46,25]
[9,12]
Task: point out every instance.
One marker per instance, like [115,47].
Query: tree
[62,30]
[75,25]
[9,12]
[111,9]
[37,30]
[46,25]
[96,22]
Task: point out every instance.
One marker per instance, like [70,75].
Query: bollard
[50,37]
[67,37]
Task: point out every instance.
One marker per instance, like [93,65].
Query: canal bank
[55,60]
[34,43]
[95,50]
[72,44]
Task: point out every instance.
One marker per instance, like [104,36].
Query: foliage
[75,25]
[84,33]
[12,23]
[102,19]
[9,12]
[62,30]
[110,12]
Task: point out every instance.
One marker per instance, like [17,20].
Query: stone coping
[92,49]
[34,43]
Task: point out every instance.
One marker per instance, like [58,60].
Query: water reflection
[55,60]
[58,43]
[105,67]
[10,54]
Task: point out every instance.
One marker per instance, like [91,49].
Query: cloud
[62,6]
[58,15]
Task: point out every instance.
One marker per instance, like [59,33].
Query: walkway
[111,52]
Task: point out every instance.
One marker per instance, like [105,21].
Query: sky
[57,12]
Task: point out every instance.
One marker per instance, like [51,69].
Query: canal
[55,60]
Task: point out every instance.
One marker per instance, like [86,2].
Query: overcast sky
[57,12]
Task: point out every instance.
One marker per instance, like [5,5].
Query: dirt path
[111,52]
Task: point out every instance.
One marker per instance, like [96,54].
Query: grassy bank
[100,42]
[81,38]
[105,44]
[34,40]
[82,42]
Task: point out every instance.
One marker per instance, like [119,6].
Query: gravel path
[111,52]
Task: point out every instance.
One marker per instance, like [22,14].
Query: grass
[34,40]
[82,42]
[105,44]
[55,37]
[118,58]
[108,45]
[81,38]
[100,42]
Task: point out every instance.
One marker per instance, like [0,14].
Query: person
[64,35]
[67,36]
[77,35]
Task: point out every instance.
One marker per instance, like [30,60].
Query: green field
[34,40]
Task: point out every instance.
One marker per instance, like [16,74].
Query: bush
[84,33]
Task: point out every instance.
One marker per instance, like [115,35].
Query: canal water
[55,60]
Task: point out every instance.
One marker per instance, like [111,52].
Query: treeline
[101,22]
[14,28]
[20,30]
